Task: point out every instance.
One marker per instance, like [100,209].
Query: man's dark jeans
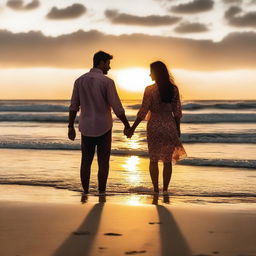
[88,146]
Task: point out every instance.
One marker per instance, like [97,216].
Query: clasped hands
[128,132]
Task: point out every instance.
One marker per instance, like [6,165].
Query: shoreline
[49,194]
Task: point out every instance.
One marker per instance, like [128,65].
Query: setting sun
[133,79]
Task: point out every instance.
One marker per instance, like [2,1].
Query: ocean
[219,138]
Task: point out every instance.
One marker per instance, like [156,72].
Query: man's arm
[116,104]
[124,120]
[73,109]
[71,128]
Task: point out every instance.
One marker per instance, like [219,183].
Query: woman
[163,128]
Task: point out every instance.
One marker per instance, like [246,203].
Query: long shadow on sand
[173,242]
[80,242]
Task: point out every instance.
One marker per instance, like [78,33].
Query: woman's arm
[177,121]
[130,132]
[177,112]
[141,113]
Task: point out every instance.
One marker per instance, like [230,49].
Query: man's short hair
[100,55]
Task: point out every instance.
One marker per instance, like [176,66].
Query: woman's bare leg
[154,173]
[167,174]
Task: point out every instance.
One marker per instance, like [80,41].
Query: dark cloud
[188,27]
[193,7]
[245,20]
[34,4]
[33,49]
[232,11]
[70,12]
[19,5]
[232,1]
[15,4]
[151,20]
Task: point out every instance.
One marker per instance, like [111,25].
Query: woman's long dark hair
[164,81]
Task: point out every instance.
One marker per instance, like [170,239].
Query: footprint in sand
[112,234]
[82,233]
[202,255]
[135,252]
[151,223]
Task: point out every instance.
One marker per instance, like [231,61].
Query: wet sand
[46,221]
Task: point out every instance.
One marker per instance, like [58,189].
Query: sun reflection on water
[133,142]
[131,164]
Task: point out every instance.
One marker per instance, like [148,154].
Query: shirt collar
[96,70]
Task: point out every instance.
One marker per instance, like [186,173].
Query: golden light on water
[133,142]
[131,164]
[133,79]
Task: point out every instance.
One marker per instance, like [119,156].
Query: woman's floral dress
[162,135]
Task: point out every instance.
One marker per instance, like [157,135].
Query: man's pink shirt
[95,94]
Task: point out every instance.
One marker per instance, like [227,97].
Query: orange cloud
[33,49]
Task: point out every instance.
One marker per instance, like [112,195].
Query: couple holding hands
[94,94]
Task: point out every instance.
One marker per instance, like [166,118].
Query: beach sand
[40,221]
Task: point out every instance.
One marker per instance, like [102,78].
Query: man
[95,94]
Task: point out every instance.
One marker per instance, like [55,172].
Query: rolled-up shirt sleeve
[145,105]
[75,100]
[113,99]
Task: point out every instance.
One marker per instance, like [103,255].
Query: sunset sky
[209,46]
